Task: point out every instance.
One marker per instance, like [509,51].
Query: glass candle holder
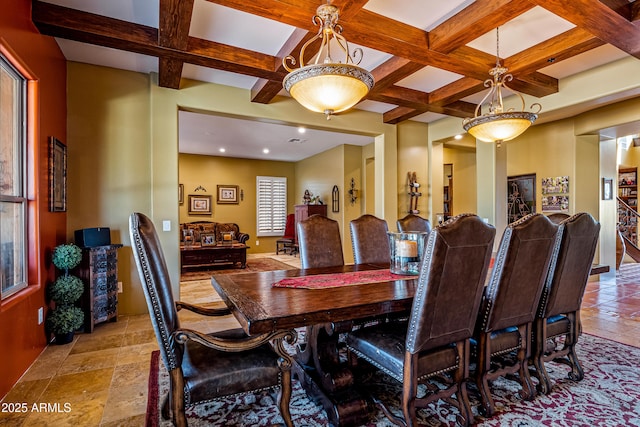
[406,252]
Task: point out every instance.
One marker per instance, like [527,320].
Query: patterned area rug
[608,396]
[253,265]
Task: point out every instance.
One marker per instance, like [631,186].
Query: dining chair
[202,367]
[319,242]
[413,222]
[434,342]
[557,325]
[369,240]
[501,343]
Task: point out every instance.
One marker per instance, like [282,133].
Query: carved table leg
[285,363]
[327,381]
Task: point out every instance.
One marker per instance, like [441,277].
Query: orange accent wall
[23,339]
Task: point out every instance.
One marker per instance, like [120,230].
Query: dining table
[324,302]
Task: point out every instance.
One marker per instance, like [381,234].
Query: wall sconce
[353,193]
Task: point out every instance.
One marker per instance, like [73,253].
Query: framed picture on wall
[227,194]
[521,196]
[181,194]
[199,205]
[57,175]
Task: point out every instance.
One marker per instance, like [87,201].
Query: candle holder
[406,252]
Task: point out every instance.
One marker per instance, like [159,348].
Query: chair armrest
[242,237]
[201,309]
[181,336]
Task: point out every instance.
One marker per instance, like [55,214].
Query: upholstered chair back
[519,273]
[413,222]
[369,240]
[156,285]
[454,270]
[558,217]
[568,276]
[319,242]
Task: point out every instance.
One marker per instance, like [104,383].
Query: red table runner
[335,280]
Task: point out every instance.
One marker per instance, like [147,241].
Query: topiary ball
[66,257]
[66,290]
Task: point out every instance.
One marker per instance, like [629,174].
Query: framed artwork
[199,205]
[521,196]
[181,194]
[555,203]
[227,194]
[57,175]
[607,188]
[207,239]
[555,185]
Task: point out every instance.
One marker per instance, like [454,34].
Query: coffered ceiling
[429,58]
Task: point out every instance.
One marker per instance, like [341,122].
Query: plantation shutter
[271,205]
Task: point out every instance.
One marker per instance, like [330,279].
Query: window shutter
[271,205]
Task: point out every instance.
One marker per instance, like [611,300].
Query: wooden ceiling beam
[392,71]
[598,19]
[173,32]
[473,21]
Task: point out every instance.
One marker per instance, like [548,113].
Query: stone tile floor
[102,377]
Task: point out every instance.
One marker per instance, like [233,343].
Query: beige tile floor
[101,378]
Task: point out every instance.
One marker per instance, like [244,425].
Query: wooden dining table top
[260,307]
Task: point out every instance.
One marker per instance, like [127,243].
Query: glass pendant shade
[500,126]
[328,88]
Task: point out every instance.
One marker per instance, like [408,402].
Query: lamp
[498,125]
[326,86]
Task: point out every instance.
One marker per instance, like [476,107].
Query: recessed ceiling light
[458,136]
[301,129]
[265,150]
[222,150]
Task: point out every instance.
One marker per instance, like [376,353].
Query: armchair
[434,342]
[203,367]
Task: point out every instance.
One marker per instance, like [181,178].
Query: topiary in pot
[63,321]
[66,290]
[66,257]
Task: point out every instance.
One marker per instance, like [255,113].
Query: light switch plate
[166,225]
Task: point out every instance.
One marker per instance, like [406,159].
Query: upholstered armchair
[413,222]
[557,325]
[503,330]
[202,367]
[319,242]
[369,240]
[434,343]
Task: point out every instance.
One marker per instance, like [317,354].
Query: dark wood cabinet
[303,212]
[99,272]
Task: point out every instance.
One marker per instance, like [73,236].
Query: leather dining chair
[319,242]
[369,240]
[202,367]
[413,222]
[559,309]
[435,340]
[503,330]
[558,217]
